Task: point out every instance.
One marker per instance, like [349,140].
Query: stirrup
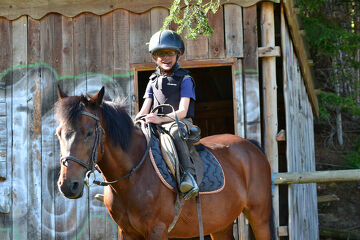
[193,191]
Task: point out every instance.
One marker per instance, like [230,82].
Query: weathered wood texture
[270,116]
[80,54]
[38,9]
[299,143]
[317,176]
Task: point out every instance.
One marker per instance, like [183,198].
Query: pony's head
[82,120]
[80,135]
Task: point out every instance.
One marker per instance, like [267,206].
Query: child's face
[165,58]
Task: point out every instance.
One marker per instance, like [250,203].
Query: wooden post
[317,176]
[270,97]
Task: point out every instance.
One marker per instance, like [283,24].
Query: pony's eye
[89,134]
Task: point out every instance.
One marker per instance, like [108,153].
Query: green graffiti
[14,230]
[58,78]
[237,72]
[251,71]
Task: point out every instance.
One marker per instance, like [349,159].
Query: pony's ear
[97,98]
[60,93]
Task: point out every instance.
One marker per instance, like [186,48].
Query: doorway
[214,112]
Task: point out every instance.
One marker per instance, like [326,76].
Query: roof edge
[36,9]
[302,53]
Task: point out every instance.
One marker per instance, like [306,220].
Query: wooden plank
[80,67]
[107,44]
[5,55]
[20,128]
[217,41]
[251,75]
[94,56]
[269,51]
[233,30]
[196,49]
[67,65]
[6,82]
[251,87]
[34,132]
[238,98]
[38,9]
[63,58]
[270,99]
[122,74]
[300,152]
[79,51]
[157,15]
[140,35]
[47,129]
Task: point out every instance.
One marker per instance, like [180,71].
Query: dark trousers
[181,146]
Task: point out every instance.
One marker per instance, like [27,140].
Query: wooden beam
[317,177]
[270,96]
[301,53]
[269,51]
[328,198]
[188,63]
[13,9]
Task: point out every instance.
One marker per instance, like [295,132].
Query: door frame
[237,83]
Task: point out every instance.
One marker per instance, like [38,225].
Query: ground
[342,214]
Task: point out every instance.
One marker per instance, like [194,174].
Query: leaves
[193,17]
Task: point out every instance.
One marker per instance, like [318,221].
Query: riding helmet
[166,39]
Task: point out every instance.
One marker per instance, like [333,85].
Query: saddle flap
[168,152]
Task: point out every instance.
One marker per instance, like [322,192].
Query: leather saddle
[170,155]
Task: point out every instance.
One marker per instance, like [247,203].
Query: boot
[188,186]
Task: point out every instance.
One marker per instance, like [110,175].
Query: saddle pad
[213,180]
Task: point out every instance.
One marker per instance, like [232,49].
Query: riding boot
[188,186]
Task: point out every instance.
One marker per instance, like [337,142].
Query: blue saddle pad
[213,180]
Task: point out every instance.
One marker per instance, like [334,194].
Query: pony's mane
[118,124]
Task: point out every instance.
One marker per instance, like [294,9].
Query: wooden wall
[302,198]
[80,54]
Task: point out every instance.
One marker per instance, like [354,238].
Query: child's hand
[153,118]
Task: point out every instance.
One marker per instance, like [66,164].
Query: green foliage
[329,102]
[353,157]
[193,18]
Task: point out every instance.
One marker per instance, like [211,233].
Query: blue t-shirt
[187,89]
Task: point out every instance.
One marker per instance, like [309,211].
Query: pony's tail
[272,223]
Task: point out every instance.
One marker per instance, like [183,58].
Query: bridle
[99,140]
[91,163]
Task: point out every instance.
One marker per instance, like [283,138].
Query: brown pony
[92,130]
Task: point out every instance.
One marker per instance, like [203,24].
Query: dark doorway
[214,112]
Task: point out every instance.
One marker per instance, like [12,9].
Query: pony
[93,133]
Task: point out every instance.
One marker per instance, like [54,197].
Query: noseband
[99,140]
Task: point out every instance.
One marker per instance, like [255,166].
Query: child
[170,84]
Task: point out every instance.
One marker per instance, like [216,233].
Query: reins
[99,139]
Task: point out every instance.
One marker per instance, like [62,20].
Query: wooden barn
[253,79]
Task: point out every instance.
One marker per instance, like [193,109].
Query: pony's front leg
[158,232]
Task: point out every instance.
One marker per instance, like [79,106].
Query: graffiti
[34,156]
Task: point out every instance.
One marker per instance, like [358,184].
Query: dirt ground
[342,213]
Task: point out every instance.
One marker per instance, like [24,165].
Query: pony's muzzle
[71,188]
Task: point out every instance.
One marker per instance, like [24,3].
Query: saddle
[170,156]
